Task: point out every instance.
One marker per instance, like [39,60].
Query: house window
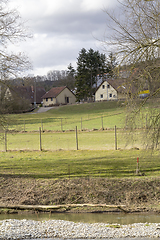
[108,86]
[110,95]
[51,98]
[46,99]
[101,95]
[103,86]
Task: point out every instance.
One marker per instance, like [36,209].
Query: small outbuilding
[57,96]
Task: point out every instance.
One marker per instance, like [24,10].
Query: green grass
[62,164]
[59,126]
[87,140]
[96,156]
[84,116]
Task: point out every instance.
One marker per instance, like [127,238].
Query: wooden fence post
[115,137]
[5,140]
[76,138]
[40,139]
[102,122]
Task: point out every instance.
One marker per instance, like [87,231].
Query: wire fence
[65,124]
[87,133]
[69,140]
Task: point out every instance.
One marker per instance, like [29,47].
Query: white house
[111,90]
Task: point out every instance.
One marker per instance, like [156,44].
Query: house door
[66,100]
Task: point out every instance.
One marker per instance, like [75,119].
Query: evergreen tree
[69,80]
[71,70]
[90,64]
[111,65]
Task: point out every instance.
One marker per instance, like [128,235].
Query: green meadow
[96,155]
[86,140]
[95,123]
[86,163]
[63,118]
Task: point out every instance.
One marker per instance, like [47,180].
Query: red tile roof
[54,92]
[27,92]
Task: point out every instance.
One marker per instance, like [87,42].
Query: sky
[60,29]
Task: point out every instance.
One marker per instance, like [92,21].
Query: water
[120,218]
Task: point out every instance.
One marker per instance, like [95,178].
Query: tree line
[83,81]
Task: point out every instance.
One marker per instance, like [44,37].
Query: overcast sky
[61,28]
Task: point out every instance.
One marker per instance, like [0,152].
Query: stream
[120,218]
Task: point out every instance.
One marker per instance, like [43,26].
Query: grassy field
[95,173]
[95,156]
[84,116]
[87,140]
[58,128]
[62,164]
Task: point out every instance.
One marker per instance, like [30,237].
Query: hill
[86,116]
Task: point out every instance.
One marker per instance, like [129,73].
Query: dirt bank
[140,194]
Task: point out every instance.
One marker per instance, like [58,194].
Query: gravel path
[29,229]
[42,110]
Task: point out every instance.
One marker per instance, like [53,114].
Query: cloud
[61,28]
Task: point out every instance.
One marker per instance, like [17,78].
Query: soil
[138,195]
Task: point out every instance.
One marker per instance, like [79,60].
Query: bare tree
[135,38]
[12,30]
[135,31]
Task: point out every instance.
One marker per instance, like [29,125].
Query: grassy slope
[95,176]
[63,177]
[87,140]
[70,116]
[62,164]
[95,161]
